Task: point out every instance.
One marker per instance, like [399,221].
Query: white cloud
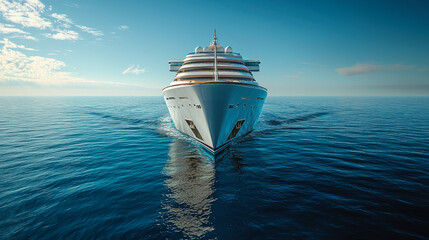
[8,44]
[67,21]
[362,68]
[73,5]
[28,37]
[123,27]
[17,66]
[62,17]
[26,13]
[134,69]
[10,29]
[63,35]
[90,30]
[29,13]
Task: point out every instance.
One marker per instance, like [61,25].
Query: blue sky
[306,48]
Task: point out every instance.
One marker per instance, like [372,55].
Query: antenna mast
[215,56]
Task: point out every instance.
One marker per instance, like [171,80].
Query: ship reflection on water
[190,177]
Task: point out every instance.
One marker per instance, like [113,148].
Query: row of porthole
[255,98]
[171,98]
[244,105]
[190,105]
[199,106]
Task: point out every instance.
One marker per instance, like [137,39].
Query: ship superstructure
[214,97]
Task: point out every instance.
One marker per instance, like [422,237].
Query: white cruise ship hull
[215,113]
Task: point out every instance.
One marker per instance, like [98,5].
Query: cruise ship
[214,97]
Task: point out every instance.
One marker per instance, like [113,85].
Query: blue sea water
[116,168]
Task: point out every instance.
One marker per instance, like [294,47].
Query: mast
[215,55]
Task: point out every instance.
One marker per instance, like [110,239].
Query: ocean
[116,168]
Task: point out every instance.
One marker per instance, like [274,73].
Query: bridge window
[251,63]
[176,63]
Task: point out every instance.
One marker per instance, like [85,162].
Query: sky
[122,48]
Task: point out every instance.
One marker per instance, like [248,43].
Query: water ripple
[116,168]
